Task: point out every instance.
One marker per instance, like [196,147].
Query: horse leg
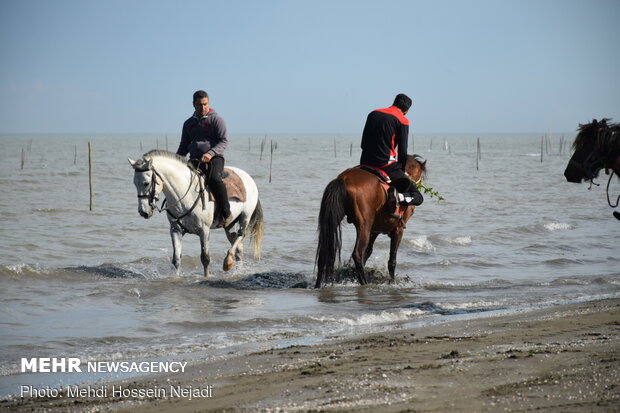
[361,243]
[371,243]
[204,250]
[396,237]
[177,246]
[236,240]
[233,238]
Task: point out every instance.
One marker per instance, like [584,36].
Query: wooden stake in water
[351,151]
[262,148]
[542,140]
[90,175]
[23,157]
[478,154]
[271,162]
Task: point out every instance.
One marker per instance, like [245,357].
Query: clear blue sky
[131,66]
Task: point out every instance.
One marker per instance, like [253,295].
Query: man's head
[402,102]
[201,103]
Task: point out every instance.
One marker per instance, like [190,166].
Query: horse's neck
[177,179]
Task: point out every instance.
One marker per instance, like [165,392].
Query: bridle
[151,192]
[590,166]
[151,195]
[593,163]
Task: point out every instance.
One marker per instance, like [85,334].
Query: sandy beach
[564,359]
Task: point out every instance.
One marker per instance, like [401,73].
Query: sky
[317,66]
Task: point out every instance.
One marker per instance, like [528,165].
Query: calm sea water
[99,285]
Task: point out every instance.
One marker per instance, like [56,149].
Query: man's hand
[206,157]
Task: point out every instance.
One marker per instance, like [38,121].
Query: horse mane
[165,154]
[604,132]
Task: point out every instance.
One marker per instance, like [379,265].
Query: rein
[609,200]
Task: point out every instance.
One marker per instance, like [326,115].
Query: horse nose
[144,214]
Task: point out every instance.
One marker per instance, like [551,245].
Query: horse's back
[364,190]
[361,182]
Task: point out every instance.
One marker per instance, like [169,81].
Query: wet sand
[564,359]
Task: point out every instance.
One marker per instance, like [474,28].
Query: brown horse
[596,146]
[360,196]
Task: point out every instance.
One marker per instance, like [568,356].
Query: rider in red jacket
[384,145]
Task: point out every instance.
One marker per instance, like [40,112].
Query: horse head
[589,155]
[586,161]
[147,184]
[416,168]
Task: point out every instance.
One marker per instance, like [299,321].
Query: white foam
[465,240]
[557,226]
[421,244]
[469,305]
[386,316]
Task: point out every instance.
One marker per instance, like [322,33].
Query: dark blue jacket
[199,136]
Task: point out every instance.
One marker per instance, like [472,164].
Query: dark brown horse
[360,196]
[596,146]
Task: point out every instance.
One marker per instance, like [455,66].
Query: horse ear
[131,162]
[149,163]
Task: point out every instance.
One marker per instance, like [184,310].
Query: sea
[511,235]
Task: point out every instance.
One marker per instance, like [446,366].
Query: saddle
[234,184]
[384,178]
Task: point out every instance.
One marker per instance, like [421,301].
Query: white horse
[189,208]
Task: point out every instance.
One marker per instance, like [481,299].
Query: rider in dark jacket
[205,138]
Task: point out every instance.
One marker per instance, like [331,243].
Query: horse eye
[146,184]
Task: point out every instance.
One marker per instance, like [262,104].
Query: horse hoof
[229,262]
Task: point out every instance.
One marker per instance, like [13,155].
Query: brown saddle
[234,186]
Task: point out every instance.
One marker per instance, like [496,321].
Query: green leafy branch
[428,190]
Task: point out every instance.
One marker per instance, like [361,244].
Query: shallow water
[99,284]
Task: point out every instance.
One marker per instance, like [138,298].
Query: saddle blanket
[234,186]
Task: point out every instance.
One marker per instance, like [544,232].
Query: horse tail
[256,229]
[330,233]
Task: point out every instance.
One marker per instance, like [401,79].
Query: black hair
[402,102]
[199,94]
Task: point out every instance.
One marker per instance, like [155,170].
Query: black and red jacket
[384,140]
